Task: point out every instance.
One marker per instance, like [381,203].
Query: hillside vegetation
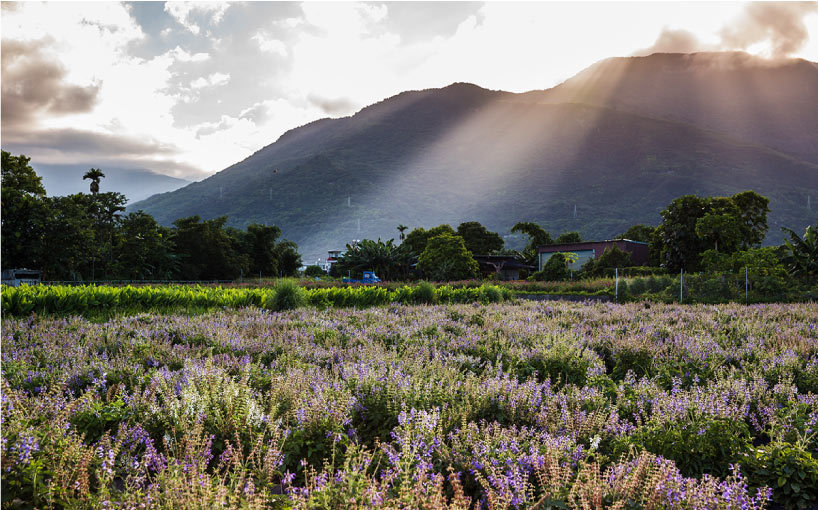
[463,153]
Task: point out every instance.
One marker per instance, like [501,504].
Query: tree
[478,239]
[416,239]
[568,237]
[611,258]
[641,233]
[402,229]
[722,228]
[752,211]
[24,213]
[17,174]
[555,269]
[95,174]
[537,237]
[205,250]
[312,271]
[143,250]
[801,255]
[385,258]
[69,238]
[289,260]
[260,246]
[681,245]
[446,258]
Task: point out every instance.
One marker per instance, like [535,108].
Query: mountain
[772,103]
[138,184]
[462,153]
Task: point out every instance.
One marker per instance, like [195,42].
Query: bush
[554,270]
[424,293]
[286,296]
[697,444]
[790,470]
[313,271]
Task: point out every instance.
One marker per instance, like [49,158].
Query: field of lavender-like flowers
[527,405]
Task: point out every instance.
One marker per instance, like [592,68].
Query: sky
[187,89]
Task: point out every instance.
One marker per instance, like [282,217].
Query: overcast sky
[187,89]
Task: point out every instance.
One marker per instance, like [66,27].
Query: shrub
[790,470]
[287,296]
[313,271]
[697,444]
[424,293]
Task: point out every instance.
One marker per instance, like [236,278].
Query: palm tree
[95,174]
[402,229]
[802,253]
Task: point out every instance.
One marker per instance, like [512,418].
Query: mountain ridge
[464,152]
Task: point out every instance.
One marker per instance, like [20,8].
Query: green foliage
[802,252]
[568,237]
[287,295]
[478,239]
[789,469]
[690,225]
[206,251]
[390,262]
[416,240]
[642,233]
[446,258]
[554,270]
[698,444]
[260,245]
[143,249]
[611,258]
[313,271]
[18,175]
[537,237]
[424,293]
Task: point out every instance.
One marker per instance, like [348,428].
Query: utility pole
[681,285]
[616,272]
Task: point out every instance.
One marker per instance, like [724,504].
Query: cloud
[673,41]
[778,25]
[89,143]
[781,24]
[187,13]
[333,107]
[269,44]
[35,83]
[214,80]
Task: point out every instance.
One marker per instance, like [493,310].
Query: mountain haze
[462,153]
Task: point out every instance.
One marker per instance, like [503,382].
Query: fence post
[616,272]
[681,285]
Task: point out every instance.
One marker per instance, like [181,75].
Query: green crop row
[80,300]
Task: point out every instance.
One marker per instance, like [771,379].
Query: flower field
[530,405]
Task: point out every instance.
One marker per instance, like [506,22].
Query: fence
[752,285]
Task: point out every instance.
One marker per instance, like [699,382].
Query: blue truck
[369,277]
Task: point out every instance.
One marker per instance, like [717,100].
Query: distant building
[506,266]
[332,258]
[586,251]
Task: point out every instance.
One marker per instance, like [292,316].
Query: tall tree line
[87,236]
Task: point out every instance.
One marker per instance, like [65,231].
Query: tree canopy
[446,258]
[537,236]
[478,239]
